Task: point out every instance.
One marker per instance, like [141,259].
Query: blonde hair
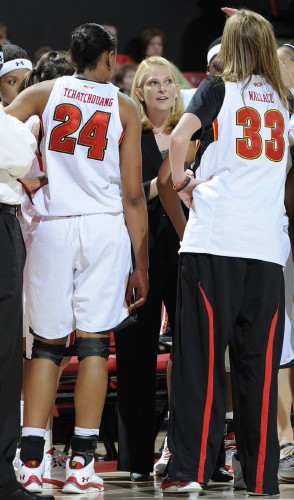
[139,82]
[249,48]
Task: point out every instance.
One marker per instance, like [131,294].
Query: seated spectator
[43,49]
[152,43]
[124,78]
[4,35]
[121,59]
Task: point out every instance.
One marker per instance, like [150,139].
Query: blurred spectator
[124,78]
[153,43]
[121,59]
[4,35]
[43,49]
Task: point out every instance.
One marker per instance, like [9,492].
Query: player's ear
[110,59]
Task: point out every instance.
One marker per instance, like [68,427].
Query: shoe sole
[53,484]
[72,488]
[184,489]
[253,494]
[32,486]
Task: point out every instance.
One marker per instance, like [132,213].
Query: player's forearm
[291,235]
[137,222]
[178,150]
[172,205]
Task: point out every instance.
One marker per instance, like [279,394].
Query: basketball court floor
[117,486]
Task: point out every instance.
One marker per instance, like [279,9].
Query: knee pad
[54,352]
[87,346]
[84,446]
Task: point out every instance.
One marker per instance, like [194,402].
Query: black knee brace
[54,352]
[94,346]
[32,448]
[84,446]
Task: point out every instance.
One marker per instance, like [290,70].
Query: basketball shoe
[55,462]
[81,479]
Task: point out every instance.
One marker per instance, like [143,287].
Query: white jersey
[240,211]
[80,152]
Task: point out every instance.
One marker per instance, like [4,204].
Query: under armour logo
[85,479]
[22,477]
[19,63]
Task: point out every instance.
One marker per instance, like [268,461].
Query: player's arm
[133,197]
[31,101]
[179,145]
[168,196]
[289,202]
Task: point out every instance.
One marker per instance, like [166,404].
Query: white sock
[21,412]
[82,431]
[33,431]
[229,415]
[48,440]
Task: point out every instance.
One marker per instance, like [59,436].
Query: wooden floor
[117,486]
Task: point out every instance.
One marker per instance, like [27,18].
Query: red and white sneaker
[81,479]
[170,486]
[230,449]
[55,462]
[30,475]
[160,465]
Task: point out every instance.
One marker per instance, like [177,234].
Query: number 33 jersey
[243,147]
[80,149]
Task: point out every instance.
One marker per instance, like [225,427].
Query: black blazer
[163,240]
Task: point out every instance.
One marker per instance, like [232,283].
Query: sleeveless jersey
[240,211]
[80,149]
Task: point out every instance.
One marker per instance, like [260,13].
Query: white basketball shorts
[76,274]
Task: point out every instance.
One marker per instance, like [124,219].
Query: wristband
[181,185]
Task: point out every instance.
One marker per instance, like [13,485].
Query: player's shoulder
[128,109]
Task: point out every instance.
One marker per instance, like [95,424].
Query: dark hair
[12,52]
[51,65]
[88,43]
[147,35]
[215,42]
[289,46]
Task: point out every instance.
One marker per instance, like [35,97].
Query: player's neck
[95,75]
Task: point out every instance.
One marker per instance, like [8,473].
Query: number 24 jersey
[80,149]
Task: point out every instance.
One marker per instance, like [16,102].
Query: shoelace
[290,456]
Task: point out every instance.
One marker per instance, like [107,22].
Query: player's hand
[138,284]
[33,184]
[186,194]
[229,11]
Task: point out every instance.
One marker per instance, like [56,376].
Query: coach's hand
[137,288]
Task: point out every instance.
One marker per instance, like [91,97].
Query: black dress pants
[12,258]
[136,355]
[240,302]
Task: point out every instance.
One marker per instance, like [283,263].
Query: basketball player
[17,146]
[91,210]
[231,287]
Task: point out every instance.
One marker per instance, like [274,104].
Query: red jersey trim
[265,405]
[209,392]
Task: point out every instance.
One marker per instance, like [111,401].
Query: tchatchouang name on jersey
[255,96]
[88,98]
